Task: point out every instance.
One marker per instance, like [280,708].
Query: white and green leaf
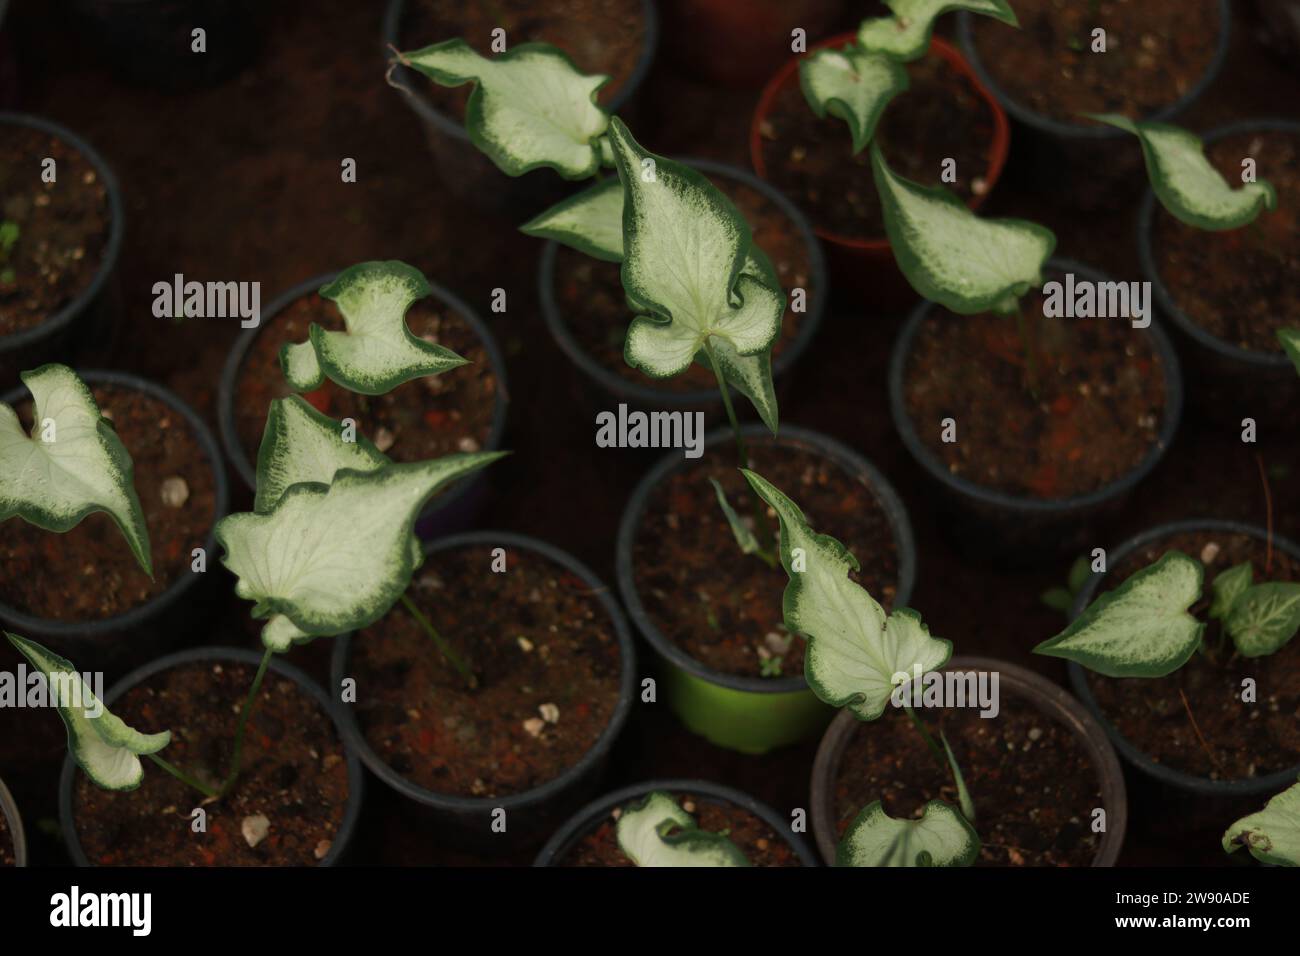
[327,559]
[300,444]
[590,221]
[854,654]
[377,351]
[1227,586]
[530,106]
[1184,180]
[853,85]
[950,255]
[906,34]
[1264,618]
[656,831]
[72,465]
[1273,834]
[1140,629]
[743,534]
[100,742]
[940,837]
[1290,339]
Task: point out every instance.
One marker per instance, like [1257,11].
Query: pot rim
[833,450]
[1036,120]
[552,788]
[999,147]
[931,464]
[642,393]
[578,825]
[1270,361]
[75,631]
[8,805]
[112,248]
[1049,698]
[239,351]
[215,653]
[1179,779]
[446,126]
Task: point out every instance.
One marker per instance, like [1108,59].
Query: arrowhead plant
[655,831]
[1273,834]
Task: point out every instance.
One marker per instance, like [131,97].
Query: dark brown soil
[1242,285]
[941,115]
[7,854]
[294,773]
[761,845]
[424,418]
[63,227]
[1156,51]
[1100,404]
[600,36]
[535,637]
[1245,740]
[1032,782]
[592,303]
[89,573]
[722,607]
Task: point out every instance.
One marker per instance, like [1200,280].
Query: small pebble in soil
[534,726]
[468,444]
[689,806]
[255,828]
[1035,733]
[1209,552]
[384,439]
[525,644]
[322,849]
[550,713]
[175,492]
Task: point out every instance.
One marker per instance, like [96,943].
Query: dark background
[241,181]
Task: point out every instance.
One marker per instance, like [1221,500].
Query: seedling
[1062,598]
[1290,339]
[656,831]
[9,234]
[1273,834]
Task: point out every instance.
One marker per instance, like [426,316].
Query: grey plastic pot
[86,321]
[468,821]
[749,714]
[596,812]
[1177,779]
[1010,527]
[1231,382]
[453,509]
[14,823]
[102,641]
[460,166]
[1048,698]
[338,846]
[643,394]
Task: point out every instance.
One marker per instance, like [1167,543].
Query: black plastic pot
[150,41]
[596,812]
[460,166]
[453,509]
[84,325]
[749,714]
[467,821]
[125,638]
[1051,700]
[347,828]
[643,394]
[1232,383]
[1177,779]
[1017,529]
[13,819]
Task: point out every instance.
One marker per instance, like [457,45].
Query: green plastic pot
[749,714]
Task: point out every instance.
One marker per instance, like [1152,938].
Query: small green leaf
[1185,182]
[906,35]
[330,559]
[963,794]
[941,837]
[1227,586]
[1264,618]
[101,744]
[1080,571]
[1273,834]
[530,106]
[1290,339]
[590,221]
[1058,599]
[657,832]
[301,444]
[950,255]
[853,85]
[744,537]
[854,654]
[72,465]
[377,352]
[1140,629]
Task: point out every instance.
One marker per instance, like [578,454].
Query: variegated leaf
[530,106]
[1264,618]
[656,831]
[906,35]
[1273,834]
[744,536]
[853,85]
[590,221]
[855,655]
[941,837]
[73,464]
[1140,629]
[1227,586]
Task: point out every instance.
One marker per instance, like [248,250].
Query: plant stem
[184,777]
[1031,364]
[249,703]
[925,733]
[452,658]
[726,403]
